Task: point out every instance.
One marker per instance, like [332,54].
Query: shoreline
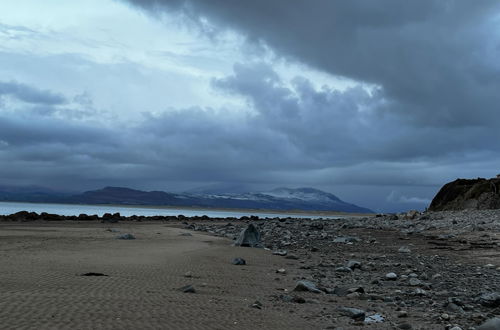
[316,213]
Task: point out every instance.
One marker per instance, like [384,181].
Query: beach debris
[93,274]
[239,261]
[126,236]
[249,237]
[306,286]
[188,289]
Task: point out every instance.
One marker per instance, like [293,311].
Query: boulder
[464,194]
[491,324]
[250,237]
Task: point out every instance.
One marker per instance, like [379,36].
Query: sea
[125,210]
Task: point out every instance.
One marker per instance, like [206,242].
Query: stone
[126,236]
[93,274]
[188,289]
[405,326]
[404,249]
[188,274]
[375,318]
[391,276]
[239,261]
[306,286]
[354,313]
[280,252]
[346,239]
[491,299]
[281,271]
[249,237]
[257,304]
[414,282]
[491,324]
[353,264]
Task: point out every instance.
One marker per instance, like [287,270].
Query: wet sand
[41,286]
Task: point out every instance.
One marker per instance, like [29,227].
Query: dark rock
[239,261]
[187,289]
[491,324]
[250,237]
[353,264]
[126,236]
[491,299]
[464,194]
[346,239]
[306,286]
[354,313]
[93,274]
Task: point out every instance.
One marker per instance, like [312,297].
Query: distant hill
[284,199]
[281,199]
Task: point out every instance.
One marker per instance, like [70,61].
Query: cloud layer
[420,108]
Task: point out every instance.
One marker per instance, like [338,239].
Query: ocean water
[73,209]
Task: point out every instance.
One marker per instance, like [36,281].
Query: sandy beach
[41,286]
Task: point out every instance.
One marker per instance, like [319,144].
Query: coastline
[193,208]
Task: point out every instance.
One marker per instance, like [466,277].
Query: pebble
[239,261]
[391,276]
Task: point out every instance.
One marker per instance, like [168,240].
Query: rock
[292,257]
[353,264]
[411,215]
[491,324]
[280,253]
[405,326]
[257,304]
[414,282]
[354,313]
[187,289]
[491,299]
[456,327]
[281,271]
[404,249]
[402,314]
[185,234]
[343,269]
[239,261]
[391,276]
[346,239]
[375,318]
[93,274]
[250,237]
[464,194]
[188,274]
[306,286]
[126,236]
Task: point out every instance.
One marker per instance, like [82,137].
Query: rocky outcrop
[462,194]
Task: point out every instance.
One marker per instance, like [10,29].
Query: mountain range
[280,199]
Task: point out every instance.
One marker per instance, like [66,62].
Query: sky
[379,102]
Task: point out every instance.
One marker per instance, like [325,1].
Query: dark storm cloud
[30,94]
[436,61]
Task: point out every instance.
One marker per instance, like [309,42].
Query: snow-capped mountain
[282,199]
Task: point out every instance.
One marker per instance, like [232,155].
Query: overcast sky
[379,102]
